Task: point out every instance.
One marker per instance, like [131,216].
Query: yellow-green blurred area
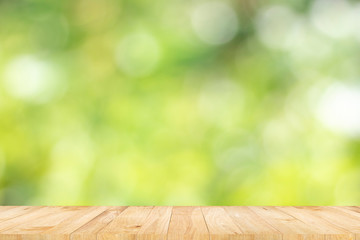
[221,102]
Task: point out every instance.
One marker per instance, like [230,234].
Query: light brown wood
[328,229]
[156,224]
[187,223]
[89,231]
[9,212]
[290,227]
[179,223]
[126,225]
[252,225]
[64,229]
[336,217]
[28,216]
[220,224]
[58,225]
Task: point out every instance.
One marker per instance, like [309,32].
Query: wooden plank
[126,225]
[252,226]
[156,225]
[321,226]
[352,208]
[348,222]
[63,230]
[56,225]
[187,223]
[290,227]
[89,231]
[29,216]
[354,212]
[9,212]
[4,208]
[220,224]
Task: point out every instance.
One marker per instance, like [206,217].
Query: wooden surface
[178,223]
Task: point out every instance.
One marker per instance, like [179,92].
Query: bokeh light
[118,102]
[138,54]
[214,22]
[339,109]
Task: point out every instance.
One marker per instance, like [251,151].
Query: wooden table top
[177,223]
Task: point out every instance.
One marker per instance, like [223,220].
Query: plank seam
[97,234]
[202,213]
[281,234]
[337,226]
[306,224]
[22,223]
[70,235]
[239,226]
[21,214]
[142,225]
[167,232]
[345,230]
[353,214]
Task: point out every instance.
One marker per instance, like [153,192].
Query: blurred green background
[135,102]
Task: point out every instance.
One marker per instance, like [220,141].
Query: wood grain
[290,227]
[179,223]
[89,231]
[58,225]
[328,229]
[28,217]
[252,225]
[126,225]
[220,224]
[156,224]
[336,217]
[9,212]
[187,223]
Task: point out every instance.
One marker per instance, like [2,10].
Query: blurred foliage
[134,102]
